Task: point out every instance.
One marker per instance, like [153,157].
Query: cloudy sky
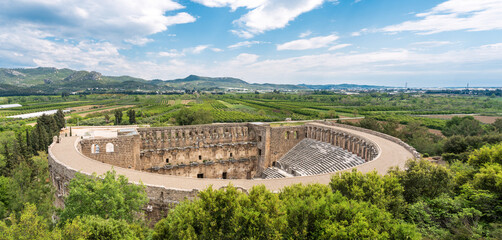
[386,42]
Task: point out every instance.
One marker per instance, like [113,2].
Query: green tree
[6,197]
[225,214]
[486,154]
[423,179]
[108,196]
[188,116]
[445,218]
[94,227]
[465,126]
[315,212]
[32,185]
[370,123]
[118,116]
[59,117]
[497,125]
[30,227]
[383,191]
[132,116]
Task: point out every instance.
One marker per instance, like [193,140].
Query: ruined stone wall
[196,135]
[282,140]
[358,145]
[222,169]
[161,199]
[195,154]
[187,150]
[122,151]
[411,149]
[262,133]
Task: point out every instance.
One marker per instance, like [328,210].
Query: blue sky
[428,43]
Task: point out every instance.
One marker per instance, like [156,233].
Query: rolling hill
[44,80]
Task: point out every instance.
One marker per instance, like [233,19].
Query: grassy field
[159,110]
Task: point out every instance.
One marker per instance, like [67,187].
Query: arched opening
[95,148]
[224,175]
[231,155]
[110,147]
[200,157]
[167,160]
[273,164]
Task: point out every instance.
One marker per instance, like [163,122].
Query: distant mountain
[208,83]
[341,86]
[43,80]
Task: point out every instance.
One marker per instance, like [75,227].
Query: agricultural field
[161,110]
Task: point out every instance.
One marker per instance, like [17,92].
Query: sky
[426,43]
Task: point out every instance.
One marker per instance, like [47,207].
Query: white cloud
[192,50]
[233,4]
[32,50]
[454,15]
[26,48]
[360,32]
[171,53]
[305,34]
[339,46]
[108,20]
[242,33]
[244,59]
[432,43]
[310,43]
[275,14]
[197,49]
[244,44]
[264,15]
[139,41]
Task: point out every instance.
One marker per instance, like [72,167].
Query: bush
[423,179]
[107,196]
[486,154]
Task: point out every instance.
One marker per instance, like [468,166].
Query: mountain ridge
[49,80]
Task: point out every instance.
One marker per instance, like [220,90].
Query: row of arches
[351,143]
[109,147]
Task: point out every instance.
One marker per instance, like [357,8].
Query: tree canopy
[109,196]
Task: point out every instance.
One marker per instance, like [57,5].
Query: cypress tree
[132,116]
[118,116]
[29,146]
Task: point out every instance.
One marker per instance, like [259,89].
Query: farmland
[158,110]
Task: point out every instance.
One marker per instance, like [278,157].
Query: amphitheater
[175,163]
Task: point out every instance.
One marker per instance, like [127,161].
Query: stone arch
[94,148]
[110,147]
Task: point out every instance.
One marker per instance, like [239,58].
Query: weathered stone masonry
[232,151]
[226,151]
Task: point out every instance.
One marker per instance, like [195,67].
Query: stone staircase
[312,157]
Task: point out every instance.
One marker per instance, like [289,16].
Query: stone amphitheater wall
[244,168]
[355,144]
[122,151]
[283,139]
[161,199]
[263,143]
[411,149]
